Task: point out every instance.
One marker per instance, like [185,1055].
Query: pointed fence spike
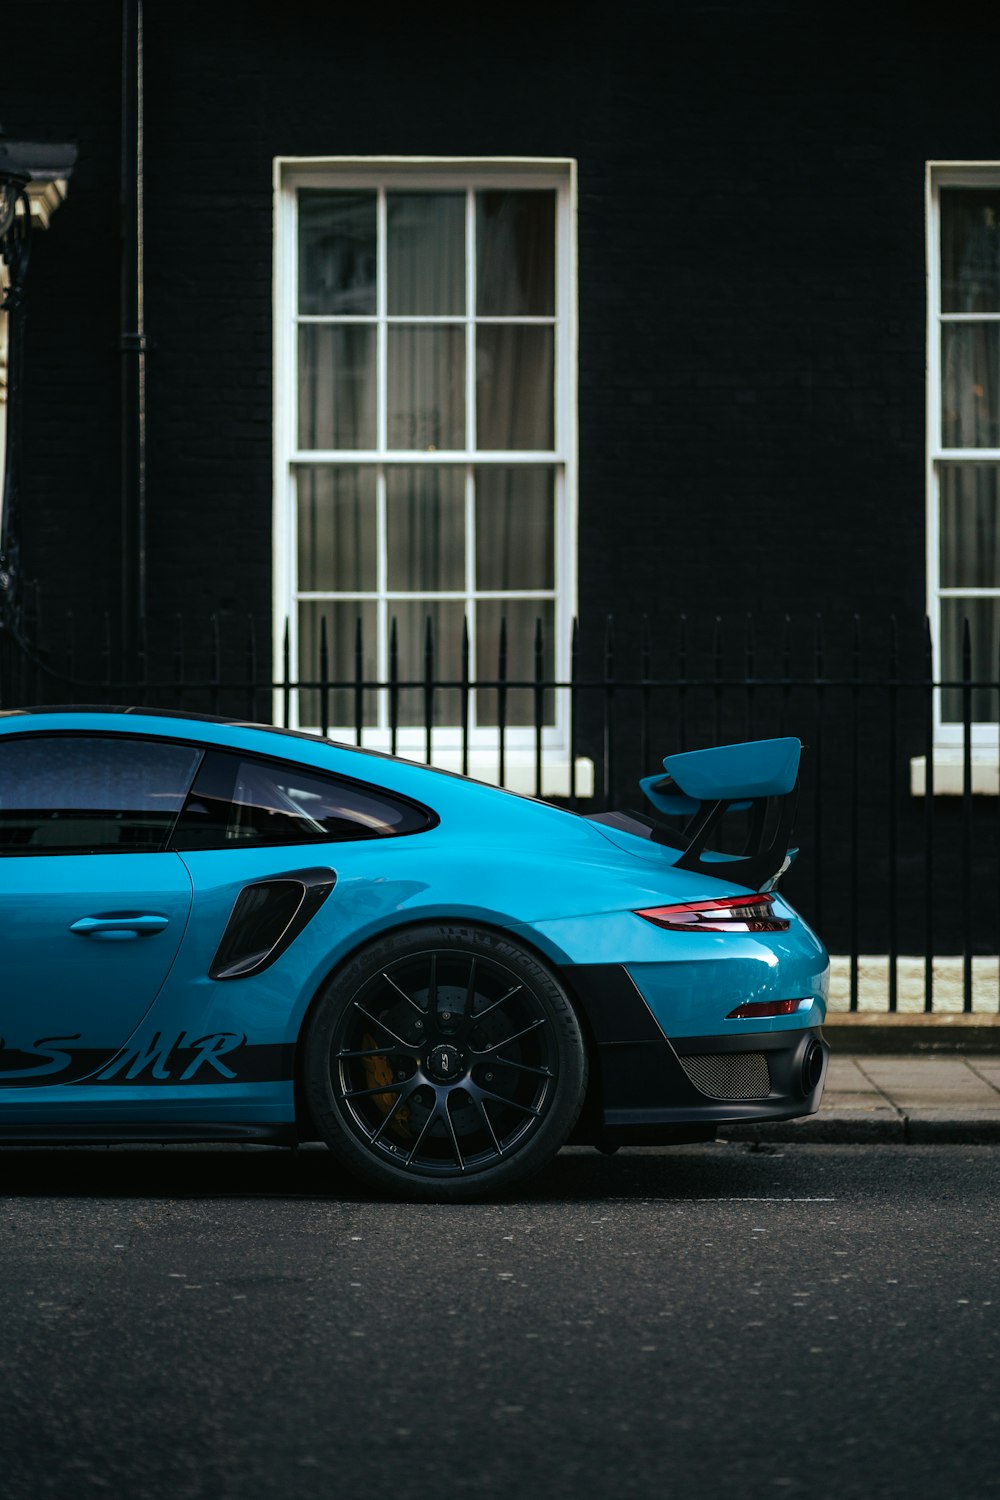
[286,675]
[539,702]
[106,650]
[324,679]
[786,647]
[820,650]
[502,650]
[966,649]
[359,678]
[428,688]
[393,685]
[465,706]
[251,667]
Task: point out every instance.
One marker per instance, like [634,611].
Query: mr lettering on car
[179,1060]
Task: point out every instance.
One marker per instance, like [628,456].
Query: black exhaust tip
[812,1067]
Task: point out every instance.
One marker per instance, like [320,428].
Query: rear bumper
[648,1089]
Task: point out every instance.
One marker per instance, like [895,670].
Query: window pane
[426,388]
[337,530]
[425,522]
[425,273]
[336,252]
[970,249]
[970,385]
[970,526]
[336,387]
[515,528]
[341,626]
[411,633]
[515,404]
[515,254]
[69,793]
[522,616]
[984,629]
[258,802]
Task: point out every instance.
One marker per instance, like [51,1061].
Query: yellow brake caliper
[378,1071]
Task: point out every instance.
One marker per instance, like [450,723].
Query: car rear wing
[760,778]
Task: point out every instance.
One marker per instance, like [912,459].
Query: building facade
[536,315]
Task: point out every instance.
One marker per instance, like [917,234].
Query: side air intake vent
[729,1075]
[266,918]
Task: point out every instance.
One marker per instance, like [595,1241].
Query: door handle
[126,925]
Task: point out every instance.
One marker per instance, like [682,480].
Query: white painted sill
[947,977]
[949,772]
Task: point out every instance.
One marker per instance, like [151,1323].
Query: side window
[81,794]
[238,801]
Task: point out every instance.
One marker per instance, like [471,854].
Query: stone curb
[866,1035]
[879,1126]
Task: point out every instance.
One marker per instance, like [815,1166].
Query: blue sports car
[218,931]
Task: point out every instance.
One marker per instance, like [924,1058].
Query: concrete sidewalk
[931,1097]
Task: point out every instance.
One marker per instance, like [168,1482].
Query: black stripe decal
[158,1058]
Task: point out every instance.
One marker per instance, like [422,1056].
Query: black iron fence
[900,835]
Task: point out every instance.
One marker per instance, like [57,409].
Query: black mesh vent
[729,1075]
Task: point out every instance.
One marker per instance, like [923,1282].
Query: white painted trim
[44,198]
[947,734]
[284,437]
[873,984]
[949,772]
[434,171]
[466,173]
[412,456]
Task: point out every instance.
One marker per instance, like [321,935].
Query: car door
[92,905]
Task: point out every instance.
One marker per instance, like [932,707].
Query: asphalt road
[714,1321]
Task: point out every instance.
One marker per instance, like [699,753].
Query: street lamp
[15,229]
[11,186]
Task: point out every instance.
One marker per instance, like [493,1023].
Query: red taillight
[730,914]
[755,1009]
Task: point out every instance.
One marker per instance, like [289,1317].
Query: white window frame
[452,173]
[949,734]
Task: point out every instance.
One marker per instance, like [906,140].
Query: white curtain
[425,391]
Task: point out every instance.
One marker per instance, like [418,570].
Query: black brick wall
[751,249]
[751,275]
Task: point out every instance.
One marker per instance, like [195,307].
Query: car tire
[444,1063]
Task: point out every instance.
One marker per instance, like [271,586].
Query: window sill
[949,772]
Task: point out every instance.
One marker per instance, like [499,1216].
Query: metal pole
[15,248]
[132,343]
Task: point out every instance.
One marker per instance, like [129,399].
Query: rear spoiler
[705,785]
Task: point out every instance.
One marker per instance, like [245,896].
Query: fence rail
[900,863]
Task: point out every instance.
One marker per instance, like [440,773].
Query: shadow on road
[577,1175]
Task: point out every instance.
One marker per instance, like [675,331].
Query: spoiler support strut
[710,783]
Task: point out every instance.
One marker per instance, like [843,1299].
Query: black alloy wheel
[445,1063]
